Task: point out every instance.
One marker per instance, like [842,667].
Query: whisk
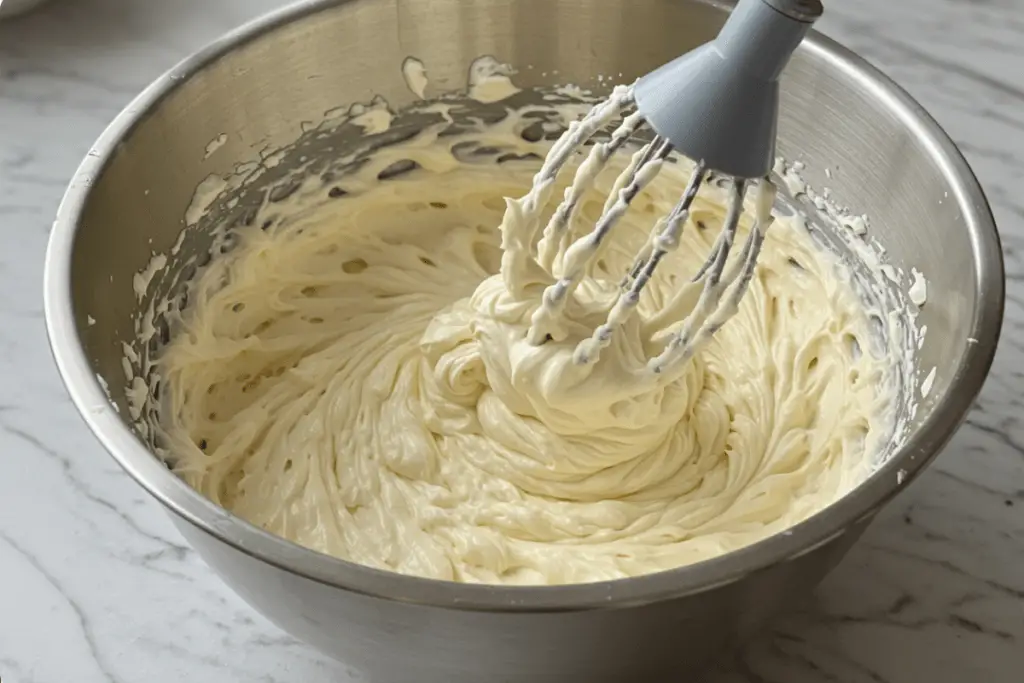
[717,105]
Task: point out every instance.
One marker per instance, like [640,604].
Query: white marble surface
[95,584]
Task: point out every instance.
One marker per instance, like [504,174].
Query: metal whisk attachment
[717,105]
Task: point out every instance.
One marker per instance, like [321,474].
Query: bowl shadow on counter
[931,591]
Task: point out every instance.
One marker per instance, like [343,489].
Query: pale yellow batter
[357,379]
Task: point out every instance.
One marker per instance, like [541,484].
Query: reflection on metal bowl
[13,8]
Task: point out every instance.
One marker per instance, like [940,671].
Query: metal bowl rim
[857,506]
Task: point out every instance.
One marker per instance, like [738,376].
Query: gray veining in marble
[95,585]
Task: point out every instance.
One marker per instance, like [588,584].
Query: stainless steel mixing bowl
[260,83]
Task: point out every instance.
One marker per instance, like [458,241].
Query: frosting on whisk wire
[568,261]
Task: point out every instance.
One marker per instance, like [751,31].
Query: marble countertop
[96,585]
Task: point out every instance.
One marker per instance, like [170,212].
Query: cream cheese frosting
[358,378]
